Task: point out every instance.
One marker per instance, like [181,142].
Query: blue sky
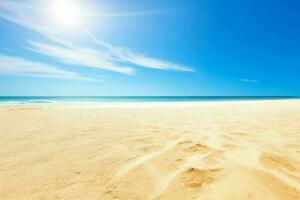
[150,47]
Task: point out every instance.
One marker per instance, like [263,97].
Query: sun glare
[66,12]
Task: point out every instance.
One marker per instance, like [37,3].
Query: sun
[66,12]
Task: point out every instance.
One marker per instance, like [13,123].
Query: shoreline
[147,104]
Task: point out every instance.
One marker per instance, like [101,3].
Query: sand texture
[206,151]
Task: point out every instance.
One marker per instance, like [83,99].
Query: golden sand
[207,151]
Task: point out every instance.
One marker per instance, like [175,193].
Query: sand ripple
[214,151]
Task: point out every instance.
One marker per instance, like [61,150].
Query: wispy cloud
[12,65]
[110,59]
[148,62]
[128,56]
[14,11]
[77,55]
[250,80]
[106,57]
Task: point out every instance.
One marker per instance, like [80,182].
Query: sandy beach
[208,151]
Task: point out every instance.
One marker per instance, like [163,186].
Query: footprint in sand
[196,148]
[169,166]
[191,147]
[193,179]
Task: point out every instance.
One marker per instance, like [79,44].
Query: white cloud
[12,65]
[250,80]
[106,60]
[77,55]
[106,57]
[127,56]
[148,62]
[16,12]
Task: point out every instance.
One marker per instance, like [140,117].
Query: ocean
[122,99]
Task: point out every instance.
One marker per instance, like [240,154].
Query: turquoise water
[97,99]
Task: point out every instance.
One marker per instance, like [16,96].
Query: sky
[149,48]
